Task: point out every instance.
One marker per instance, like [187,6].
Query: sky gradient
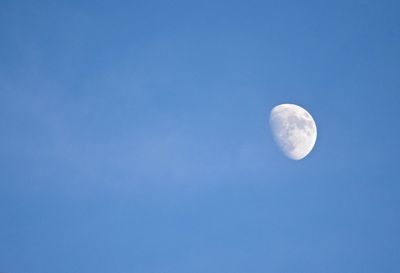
[134,137]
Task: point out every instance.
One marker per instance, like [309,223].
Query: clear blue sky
[134,137]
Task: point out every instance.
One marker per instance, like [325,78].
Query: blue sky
[134,136]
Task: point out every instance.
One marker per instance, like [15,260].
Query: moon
[294,130]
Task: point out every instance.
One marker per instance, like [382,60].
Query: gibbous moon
[294,130]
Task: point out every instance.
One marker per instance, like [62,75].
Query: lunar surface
[294,130]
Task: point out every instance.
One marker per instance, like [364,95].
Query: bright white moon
[294,130]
